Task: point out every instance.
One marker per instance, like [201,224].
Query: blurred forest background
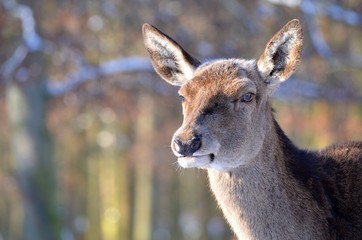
[85,123]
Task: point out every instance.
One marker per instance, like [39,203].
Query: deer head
[225,104]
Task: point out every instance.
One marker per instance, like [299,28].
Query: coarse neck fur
[268,198]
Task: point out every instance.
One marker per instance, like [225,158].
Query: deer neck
[262,200]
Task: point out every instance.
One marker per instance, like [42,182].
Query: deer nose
[187,148]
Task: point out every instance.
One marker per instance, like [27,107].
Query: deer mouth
[198,161]
[212,157]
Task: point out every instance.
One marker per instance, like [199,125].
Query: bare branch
[31,38]
[333,11]
[298,90]
[312,9]
[316,35]
[13,62]
[124,65]
[32,41]
[108,68]
[315,8]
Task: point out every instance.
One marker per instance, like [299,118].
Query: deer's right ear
[168,58]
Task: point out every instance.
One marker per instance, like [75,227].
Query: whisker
[178,167]
[174,163]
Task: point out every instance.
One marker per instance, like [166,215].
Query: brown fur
[266,187]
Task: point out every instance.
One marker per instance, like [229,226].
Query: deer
[266,187]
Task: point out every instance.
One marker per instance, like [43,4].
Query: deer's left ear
[281,55]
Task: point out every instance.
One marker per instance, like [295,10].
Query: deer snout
[186,148]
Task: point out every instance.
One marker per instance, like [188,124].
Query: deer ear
[281,55]
[168,58]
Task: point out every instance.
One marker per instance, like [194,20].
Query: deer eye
[182,98]
[247,97]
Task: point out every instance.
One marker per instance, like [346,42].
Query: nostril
[178,144]
[188,148]
[195,144]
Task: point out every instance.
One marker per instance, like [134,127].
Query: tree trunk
[143,169]
[34,168]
